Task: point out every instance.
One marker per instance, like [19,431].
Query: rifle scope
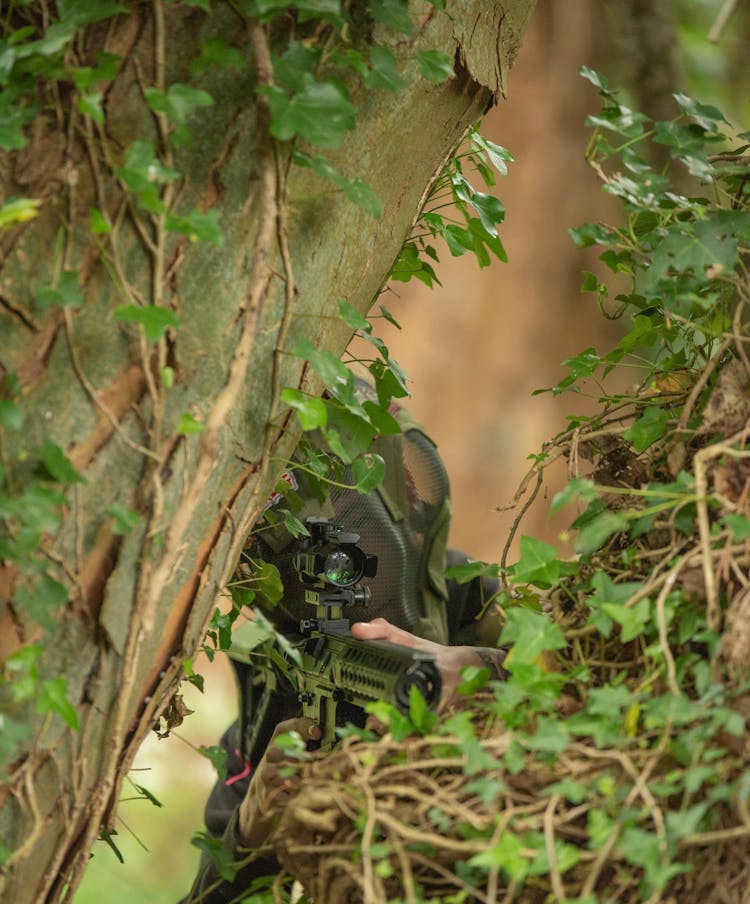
[331,556]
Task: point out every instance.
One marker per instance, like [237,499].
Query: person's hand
[271,785]
[449,660]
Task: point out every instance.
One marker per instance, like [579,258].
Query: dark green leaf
[435,66]
[57,464]
[383,71]
[40,598]
[321,114]
[394,13]
[651,426]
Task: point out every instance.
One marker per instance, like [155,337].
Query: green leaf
[369,471]
[11,414]
[435,66]
[65,293]
[422,717]
[40,598]
[154,320]
[539,564]
[579,487]
[498,156]
[53,698]
[321,113]
[394,13]
[491,210]
[738,524]
[198,226]
[188,424]
[508,854]
[326,365]
[383,72]
[531,633]
[98,222]
[216,52]
[218,757]
[179,102]
[125,519]
[221,857]
[311,410]
[650,427]
[90,104]
[58,465]
[468,571]
[596,531]
[18,210]
[633,620]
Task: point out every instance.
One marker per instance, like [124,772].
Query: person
[405,523]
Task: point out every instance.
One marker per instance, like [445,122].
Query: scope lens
[342,568]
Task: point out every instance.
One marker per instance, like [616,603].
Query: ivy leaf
[422,717]
[435,66]
[531,634]
[369,471]
[65,294]
[198,226]
[216,52]
[125,519]
[57,464]
[633,620]
[383,71]
[221,857]
[539,564]
[321,113]
[468,571]
[18,210]
[508,854]
[53,697]
[738,524]
[578,487]
[179,101]
[394,13]
[599,529]
[218,757]
[154,320]
[11,414]
[329,367]
[188,424]
[650,427]
[40,598]
[98,223]
[311,410]
[90,104]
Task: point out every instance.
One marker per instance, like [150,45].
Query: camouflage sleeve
[466,602]
[221,816]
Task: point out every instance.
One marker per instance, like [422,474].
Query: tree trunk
[113,394]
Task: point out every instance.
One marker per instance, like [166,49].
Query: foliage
[611,764]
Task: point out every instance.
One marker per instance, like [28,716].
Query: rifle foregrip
[360,672]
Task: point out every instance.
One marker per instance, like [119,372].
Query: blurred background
[476,348]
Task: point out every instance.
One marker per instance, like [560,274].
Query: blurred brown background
[476,348]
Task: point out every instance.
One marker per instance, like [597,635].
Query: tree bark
[93,385]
